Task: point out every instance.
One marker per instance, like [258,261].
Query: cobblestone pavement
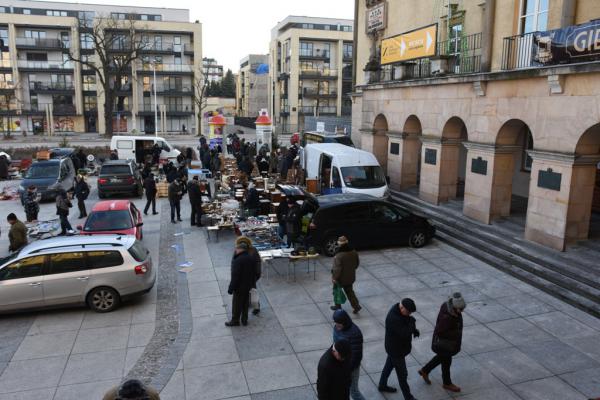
[519,343]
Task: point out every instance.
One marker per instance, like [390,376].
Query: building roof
[295,19]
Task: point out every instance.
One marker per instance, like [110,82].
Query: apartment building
[213,71]
[40,87]
[488,104]
[310,70]
[252,88]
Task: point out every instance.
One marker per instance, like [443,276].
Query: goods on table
[43,229]
[262,233]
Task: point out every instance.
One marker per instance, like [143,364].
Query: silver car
[99,271]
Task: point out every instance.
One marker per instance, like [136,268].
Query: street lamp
[153,65]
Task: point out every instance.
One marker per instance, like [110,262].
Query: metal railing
[166,46]
[185,108]
[166,88]
[315,53]
[45,85]
[166,67]
[57,109]
[42,42]
[307,73]
[314,110]
[50,64]
[519,51]
[312,92]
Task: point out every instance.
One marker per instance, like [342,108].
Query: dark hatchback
[366,221]
[119,177]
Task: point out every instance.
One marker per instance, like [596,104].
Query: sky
[233,29]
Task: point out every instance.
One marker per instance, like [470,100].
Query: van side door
[21,284]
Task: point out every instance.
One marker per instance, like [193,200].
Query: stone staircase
[572,276]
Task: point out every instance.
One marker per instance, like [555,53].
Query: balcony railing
[169,108]
[42,42]
[317,73]
[58,64]
[166,67]
[324,54]
[166,47]
[519,51]
[321,110]
[42,86]
[5,64]
[57,109]
[165,88]
[312,92]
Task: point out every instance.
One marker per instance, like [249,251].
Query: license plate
[116,180]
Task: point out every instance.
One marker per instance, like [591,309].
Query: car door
[387,224]
[137,220]
[21,284]
[352,220]
[67,279]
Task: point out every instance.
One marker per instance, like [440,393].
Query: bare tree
[117,47]
[201,85]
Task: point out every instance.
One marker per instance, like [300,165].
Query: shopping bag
[339,297]
[254,299]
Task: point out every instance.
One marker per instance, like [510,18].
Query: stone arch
[455,129]
[410,152]
[380,140]
[454,156]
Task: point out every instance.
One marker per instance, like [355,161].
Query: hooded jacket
[449,326]
[352,334]
[399,330]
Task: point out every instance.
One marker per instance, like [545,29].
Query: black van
[365,220]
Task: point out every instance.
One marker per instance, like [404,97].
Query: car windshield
[345,141]
[363,177]
[108,221]
[115,170]
[44,170]
[138,251]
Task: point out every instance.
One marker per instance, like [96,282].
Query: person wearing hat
[131,389]
[343,273]
[446,341]
[344,328]
[243,278]
[334,374]
[399,331]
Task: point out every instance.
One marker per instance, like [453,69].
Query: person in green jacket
[17,235]
[343,273]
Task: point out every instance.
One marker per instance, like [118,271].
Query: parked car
[120,177]
[100,271]
[367,222]
[49,176]
[119,217]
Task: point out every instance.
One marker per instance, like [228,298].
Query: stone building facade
[488,119]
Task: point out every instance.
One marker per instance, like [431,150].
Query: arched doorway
[583,219]
[380,141]
[411,152]
[453,160]
[513,170]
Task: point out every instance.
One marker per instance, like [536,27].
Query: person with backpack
[82,191]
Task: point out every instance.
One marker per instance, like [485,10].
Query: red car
[113,217]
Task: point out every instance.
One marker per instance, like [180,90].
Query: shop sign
[377,17]
[575,43]
[411,45]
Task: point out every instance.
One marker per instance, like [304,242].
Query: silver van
[99,271]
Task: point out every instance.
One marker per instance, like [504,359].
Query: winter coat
[17,236]
[449,326]
[4,164]
[333,378]
[243,273]
[31,204]
[352,334]
[215,163]
[150,187]
[257,265]
[193,188]
[82,190]
[345,264]
[292,220]
[252,200]
[282,210]
[63,204]
[175,192]
[399,330]
[172,174]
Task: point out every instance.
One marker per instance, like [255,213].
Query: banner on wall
[418,43]
[576,43]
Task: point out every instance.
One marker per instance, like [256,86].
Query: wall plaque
[395,148]
[479,166]
[431,156]
[549,179]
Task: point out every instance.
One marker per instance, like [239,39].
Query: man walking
[63,203]
[17,235]
[175,194]
[343,272]
[334,373]
[82,191]
[195,201]
[150,188]
[31,201]
[344,328]
[399,330]
[243,270]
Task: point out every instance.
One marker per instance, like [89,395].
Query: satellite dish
[91,157]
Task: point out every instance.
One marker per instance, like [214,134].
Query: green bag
[339,297]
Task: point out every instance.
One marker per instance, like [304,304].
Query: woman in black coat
[82,191]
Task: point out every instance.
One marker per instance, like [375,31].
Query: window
[90,103]
[534,15]
[56,13]
[177,60]
[35,34]
[61,81]
[124,144]
[308,26]
[120,16]
[104,259]
[64,263]
[26,268]
[33,100]
[306,49]
[336,178]
[86,18]
[138,251]
[177,44]
[383,213]
[64,39]
[363,177]
[348,50]
[144,17]
[26,11]
[2,10]
[89,82]
[37,57]
[87,40]
[346,28]
[158,18]
[147,87]
[4,35]
[6,81]
[110,220]
[157,42]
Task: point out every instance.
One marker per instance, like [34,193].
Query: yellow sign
[410,45]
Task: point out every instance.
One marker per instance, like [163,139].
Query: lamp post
[153,64]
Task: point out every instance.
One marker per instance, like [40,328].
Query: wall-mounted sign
[377,17]
[395,148]
[549,179]
[575,43]
[431,156]
[479,166]
[411,45]
[321,127]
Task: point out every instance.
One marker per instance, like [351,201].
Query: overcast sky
[233,29]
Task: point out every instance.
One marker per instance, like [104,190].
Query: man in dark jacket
[175,194]
[334,373]
[17,235]
[31,200]
[446,341]
[63,203]
[156,151]
[82,191]
[195,196]
[282,210]
[150,188]
[399,330]
[346,329]
[292,222]
[252,201]
[243,278]
[343,272]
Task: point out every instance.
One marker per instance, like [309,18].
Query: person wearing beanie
[447,340]
[343,273]
[243,278]
[344,328]
[132,389]
[400,329]
[334,374]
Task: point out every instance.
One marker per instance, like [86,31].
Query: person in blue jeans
[399,330]
[344,328]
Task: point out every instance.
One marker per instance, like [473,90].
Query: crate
[162,189]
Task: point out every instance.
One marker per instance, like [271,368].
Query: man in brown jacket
[343,272]
[17,235]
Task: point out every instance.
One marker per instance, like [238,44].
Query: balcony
[318,74]
[167,47]
[45,65]
[41,43]
[314,110]
[51,87]
[40,109]
[169,89]
[172,109]
[317,54]
[166,68]
[314,93]
[122,108]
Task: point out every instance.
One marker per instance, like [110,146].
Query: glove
[416,333]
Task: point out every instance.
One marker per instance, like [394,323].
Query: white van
[138,147]
[344,169]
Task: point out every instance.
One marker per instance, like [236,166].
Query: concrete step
[576,282]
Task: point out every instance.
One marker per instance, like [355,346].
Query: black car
[120,177]
[365,220]
[49,177]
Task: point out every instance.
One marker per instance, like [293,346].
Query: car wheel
[331,246]
[103,299]
[417,239]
